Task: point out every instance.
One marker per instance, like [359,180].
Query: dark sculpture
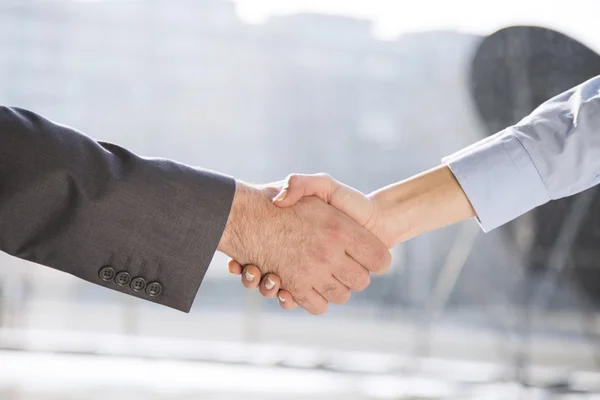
[513,71]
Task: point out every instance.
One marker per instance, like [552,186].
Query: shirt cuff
[499,178]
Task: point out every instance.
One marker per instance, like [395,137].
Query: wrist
[390,204]
[422,203]
[247,221]
[231,242]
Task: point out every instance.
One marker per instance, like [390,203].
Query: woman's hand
[366,210]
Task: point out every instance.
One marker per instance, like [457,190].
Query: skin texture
[318,253]
[394,214]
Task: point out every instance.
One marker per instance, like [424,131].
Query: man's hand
[318,253]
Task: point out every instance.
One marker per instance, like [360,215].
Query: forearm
[249,211]
[423,203]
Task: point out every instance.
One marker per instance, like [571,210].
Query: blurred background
[370,92]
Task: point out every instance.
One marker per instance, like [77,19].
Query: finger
[366,249]
[353,275]
[234,267]
[269,286]
[251,276]
[312,302]
[286,300]
[333,291]
[297,186]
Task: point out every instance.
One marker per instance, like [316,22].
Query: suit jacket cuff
[144,227]
[166,236]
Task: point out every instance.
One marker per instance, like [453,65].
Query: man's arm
[149,227]
[145,227]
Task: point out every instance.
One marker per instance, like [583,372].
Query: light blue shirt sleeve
[554,152]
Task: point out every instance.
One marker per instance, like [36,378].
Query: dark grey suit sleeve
[145,227]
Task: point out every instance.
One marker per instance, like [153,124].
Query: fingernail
[281,195]
[269,284]
[281,299]
[249,276]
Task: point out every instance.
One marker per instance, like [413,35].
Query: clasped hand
[344,245]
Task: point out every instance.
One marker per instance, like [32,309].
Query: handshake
[311,240]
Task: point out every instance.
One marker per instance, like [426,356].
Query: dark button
[123,278]
[138,284]
[154,289]
[107,273]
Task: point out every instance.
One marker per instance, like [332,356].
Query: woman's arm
[425,202]
[552,153]
[395,213]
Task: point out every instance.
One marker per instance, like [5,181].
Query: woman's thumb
[297,186]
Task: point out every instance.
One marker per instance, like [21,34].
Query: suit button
[154,289]
[123,278]
[138,284]
[107,273]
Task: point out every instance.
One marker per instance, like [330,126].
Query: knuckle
[347,295]
[350,277]
[291,286]
[355,277]
[293,281]
[333,230]
[315,307]
[292,179]
[360,241]
[319,310]
[383,261]
[342,295]
[363,279]
[324,176]
[302,300]
[321,254]
[379,257]
[329,290]
[336,293]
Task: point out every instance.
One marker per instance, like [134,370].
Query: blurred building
[174,78]
[188,80]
